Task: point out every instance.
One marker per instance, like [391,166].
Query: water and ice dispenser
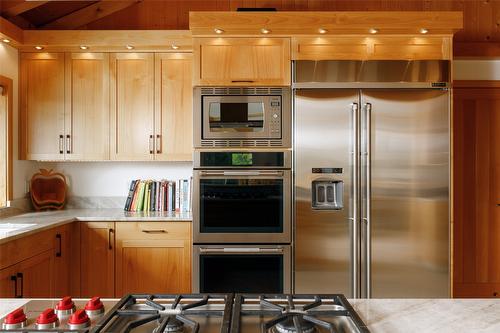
[327,194]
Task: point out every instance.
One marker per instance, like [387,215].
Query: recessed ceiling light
[265,31]
[5,40]
[175,47]
[373,30]
[129,47]
[218,31]
[424,31]
[39,47]
[322,31]
[84,47]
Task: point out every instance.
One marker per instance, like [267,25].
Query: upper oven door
[241,206]
[227,117]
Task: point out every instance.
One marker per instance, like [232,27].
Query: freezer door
[405,193]
[325,147]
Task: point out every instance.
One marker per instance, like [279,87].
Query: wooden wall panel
[476,184]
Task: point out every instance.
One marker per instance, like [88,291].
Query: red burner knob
[79,319]
[15,317]
[94,306]
[66,303]
[47,317]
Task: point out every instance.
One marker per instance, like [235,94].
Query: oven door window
[237,273]
[236,117]
[241,205]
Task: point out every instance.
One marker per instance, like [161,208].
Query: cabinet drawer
[153,230]
[23,248]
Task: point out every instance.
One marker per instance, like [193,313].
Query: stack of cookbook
[159,196]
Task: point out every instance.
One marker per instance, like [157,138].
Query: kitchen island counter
[37,221]
[404,315]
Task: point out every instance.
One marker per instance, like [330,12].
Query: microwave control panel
[275,116]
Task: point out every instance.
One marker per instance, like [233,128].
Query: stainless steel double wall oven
[242,185]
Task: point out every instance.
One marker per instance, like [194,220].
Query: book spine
[130,195]
[177,191]
[140,197]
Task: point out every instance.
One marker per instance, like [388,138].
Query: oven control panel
[275,117]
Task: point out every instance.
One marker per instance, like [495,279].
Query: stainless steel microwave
[242,117]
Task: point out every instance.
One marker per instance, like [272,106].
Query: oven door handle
[242,173]
[241,250]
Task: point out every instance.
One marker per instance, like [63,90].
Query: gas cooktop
[191,313]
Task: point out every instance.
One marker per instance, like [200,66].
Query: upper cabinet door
[174,115]
[242,61]
[132,106]
[87,106]
[42,106]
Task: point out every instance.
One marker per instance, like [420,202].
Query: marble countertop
[39,221]
[404,315]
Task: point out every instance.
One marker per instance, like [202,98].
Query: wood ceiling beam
[89,14]
[22,7]
[11,31]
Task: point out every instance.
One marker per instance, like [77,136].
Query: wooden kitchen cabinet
[174,114]
[132,106]
[42,106]
[87,106]
[97,259]
[241,61]
[153,256]
[476,182]
[67,260]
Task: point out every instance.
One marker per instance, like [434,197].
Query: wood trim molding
[476,84]
[8,87]
[22,7]
[335,23]
[11,31]
[108,40]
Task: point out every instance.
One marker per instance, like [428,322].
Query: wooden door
[242,61]
[97,259]
[8,282]
[153,256]
[42,106]
[476,181]
[67,260]
[87,106]
[37,279]
[174,111]
[132,106]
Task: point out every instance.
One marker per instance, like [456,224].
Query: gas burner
[290,324]
[172,325]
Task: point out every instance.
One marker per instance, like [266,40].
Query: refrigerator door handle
[355,200]
[367,212]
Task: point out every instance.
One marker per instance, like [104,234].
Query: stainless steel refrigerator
[371,178]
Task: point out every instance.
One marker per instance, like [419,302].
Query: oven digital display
[241,159]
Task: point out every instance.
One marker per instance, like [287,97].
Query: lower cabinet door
[8,282]
[97,259]
[35,276]
[153,257]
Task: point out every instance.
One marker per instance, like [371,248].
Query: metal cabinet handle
[21,277]
[110,244]
[242,81]
[59,250]
[61,143]
[68,144]
[158,144]
[367,218]
[355,184]
[14,279]
[151,144]
[157,231]
[242,173]
[495,293]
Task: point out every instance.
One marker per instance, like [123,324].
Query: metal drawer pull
[158,231]
[151,144]
[61,144]
[68,144]
[158,143]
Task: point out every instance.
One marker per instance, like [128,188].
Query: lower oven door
[242,269]
[242,206]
